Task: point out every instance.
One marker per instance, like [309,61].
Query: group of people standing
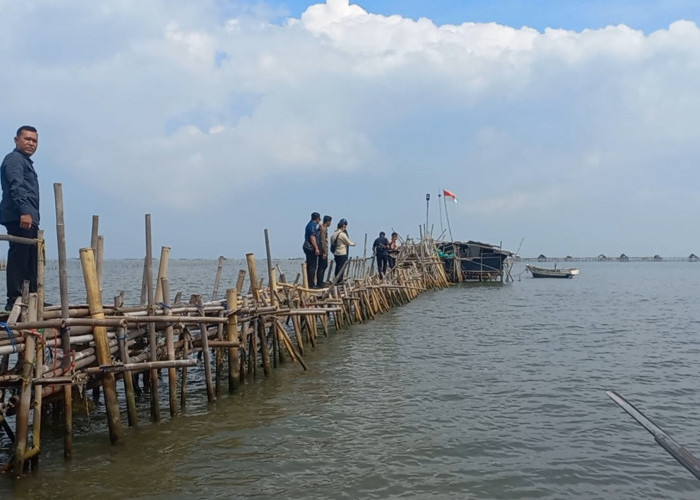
[386,252]
[317,248]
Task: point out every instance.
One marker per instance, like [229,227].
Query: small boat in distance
[543,272]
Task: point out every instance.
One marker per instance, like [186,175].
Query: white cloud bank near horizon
[581,142]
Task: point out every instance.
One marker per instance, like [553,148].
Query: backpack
[334,243]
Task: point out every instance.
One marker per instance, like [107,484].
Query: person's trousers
[21,262]
[322,266]
[382,261]
[311,267]
[339,263]
[392,262]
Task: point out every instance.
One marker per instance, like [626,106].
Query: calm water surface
[471,392]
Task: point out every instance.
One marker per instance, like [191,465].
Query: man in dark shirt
[312,250]
[381,251]
[19,211]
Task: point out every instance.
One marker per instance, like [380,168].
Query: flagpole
[427,211]
[442,229]
[447,217]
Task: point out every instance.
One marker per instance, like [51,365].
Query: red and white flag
[449,194]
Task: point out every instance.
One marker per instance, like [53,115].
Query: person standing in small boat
[340,242]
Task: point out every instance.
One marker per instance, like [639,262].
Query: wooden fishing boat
[543,272]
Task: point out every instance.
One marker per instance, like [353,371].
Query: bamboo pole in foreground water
[152,339]
[231,335]
[87,259]
[65,330]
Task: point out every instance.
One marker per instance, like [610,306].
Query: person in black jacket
[381,252]
[19,211]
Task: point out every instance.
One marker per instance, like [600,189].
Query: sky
[563,127]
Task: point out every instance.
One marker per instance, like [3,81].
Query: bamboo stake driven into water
[152,339]
[102,348]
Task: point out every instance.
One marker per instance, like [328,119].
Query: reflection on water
[470,392]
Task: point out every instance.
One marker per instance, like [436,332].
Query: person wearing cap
[323,258]
[341,241]
[311,248]
[380,247]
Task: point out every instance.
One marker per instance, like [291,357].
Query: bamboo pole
[186,339]
[252,272]
[162,273]
[87,259]
[206,354]
[132,415]
[23,406]
[217,280]
[170,347]
[152,340]
[65,330]
[232,335]
[264,350]
[240,281]
[33,453]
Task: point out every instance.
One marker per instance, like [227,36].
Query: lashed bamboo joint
[99,346]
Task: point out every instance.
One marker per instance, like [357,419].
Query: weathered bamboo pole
[232,335]
[296,324]
[272,282]
[33,453]
[40,273]
[132,415]
[240,281]
[162,272]
[65,330]
[170,347]
[151,365]
[94,236]
[23,406]
[87,259]
[264,350]
[217,279]
[152,339]
[252,272]
[186,339]
[252,352]
[206,355]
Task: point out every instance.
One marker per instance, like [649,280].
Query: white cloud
[169,99]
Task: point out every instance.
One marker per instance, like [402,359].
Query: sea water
[493,392]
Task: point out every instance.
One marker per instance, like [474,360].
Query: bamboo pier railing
[48,356]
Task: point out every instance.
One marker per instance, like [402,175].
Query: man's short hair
[382,233]
[28,128]
[327,218]
[315,215]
